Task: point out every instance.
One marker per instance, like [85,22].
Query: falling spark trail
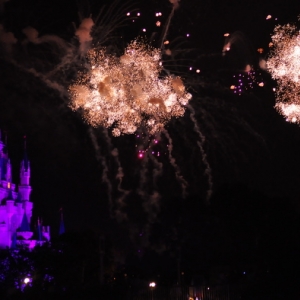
[143,178]
[65,51]
[166,29]
[179,177]
[204,156]
[51,84]
[120,174]
[158,168]
[65,61]
[152,205]
[101,159]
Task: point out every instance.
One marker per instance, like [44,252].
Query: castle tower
[3,160]
[8,173]
[24,187]
[62,224]
[1,155]
[1,142]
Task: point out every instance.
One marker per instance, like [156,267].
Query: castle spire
[25,158]
[1,142]
[25,224]
[4,162]
[24,187]
[62,224]
[39,229]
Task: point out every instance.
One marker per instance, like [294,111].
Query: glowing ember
[124,93]
[260,50]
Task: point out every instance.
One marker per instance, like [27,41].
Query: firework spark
[124,93]
[284,66]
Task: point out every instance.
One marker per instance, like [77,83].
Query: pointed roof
[61,228]
[4,144]
[25,157]
[62,224]
[9,195]
[25,224]
[19,198]
[39,231]
[14,241]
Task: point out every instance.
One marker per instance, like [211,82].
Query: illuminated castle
[16,207]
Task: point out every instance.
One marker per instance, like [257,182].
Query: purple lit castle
[16,207]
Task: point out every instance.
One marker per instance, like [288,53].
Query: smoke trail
[2,4]
[179,177]
[102,160]
[32,36]
[119,214]
[151,203]
[175,3]
[166,29]
[67,52]
[52,84]
[152,206]
[143,178]
[6,37]
[204,156]
[83,34]
[142,187]
[158,169]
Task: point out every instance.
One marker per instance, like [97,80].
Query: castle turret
[1,143]
[24,187]
[8,201]
[24,230]
[3,160]
[8,173]
[62,224]
[39,231]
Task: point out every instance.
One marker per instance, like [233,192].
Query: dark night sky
[246,140]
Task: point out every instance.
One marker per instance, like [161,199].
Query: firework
[284,66]
[246,80]
[124,93]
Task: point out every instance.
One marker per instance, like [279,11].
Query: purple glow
[16,207]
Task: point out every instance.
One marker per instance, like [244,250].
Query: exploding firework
[246,81]
[284,66]
[124,93]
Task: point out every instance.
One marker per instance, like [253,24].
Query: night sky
[246,144]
